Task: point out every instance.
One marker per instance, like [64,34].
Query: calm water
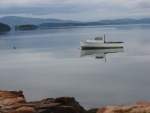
[47,63]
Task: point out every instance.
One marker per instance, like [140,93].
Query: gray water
[47,63]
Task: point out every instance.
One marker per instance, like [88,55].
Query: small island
[51,25]
[4,27]
[26,27]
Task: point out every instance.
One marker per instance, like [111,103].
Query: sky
[80,10]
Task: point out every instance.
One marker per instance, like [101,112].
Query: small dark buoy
[14,47]
[104,38]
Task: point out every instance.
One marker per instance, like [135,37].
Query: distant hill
[16,21]
[101,22]
[4,27]
[13,21]
[121,21]
[144,21]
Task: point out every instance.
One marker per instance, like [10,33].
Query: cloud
[93,9]
[143,4]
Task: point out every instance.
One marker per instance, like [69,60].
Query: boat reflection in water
[99,53]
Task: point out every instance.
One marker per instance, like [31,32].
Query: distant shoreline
[56,26]
[13,21]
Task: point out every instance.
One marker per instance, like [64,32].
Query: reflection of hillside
[99,53]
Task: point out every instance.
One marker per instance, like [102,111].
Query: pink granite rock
[14,102]
[140,107]
[23,109]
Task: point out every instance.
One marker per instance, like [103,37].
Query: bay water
[47,63]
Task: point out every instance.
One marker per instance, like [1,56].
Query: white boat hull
[98,45]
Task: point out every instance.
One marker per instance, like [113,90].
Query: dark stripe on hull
[85,48]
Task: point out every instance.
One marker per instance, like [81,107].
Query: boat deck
[113,42]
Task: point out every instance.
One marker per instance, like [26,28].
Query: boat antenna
[104,38]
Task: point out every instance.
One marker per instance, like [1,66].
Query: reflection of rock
[14,102]
[140,107]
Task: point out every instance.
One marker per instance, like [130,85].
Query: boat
[100,43]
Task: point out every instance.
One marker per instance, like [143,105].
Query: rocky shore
[15,102]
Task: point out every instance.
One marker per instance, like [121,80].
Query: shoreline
[15,102]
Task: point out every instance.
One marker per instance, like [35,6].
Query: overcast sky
[81,10]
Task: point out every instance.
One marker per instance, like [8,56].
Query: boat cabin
[98,38]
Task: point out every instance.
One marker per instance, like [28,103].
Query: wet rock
[70,101]
[66,109]
[43,111]
[58,105]
[93,110]
[48,106]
